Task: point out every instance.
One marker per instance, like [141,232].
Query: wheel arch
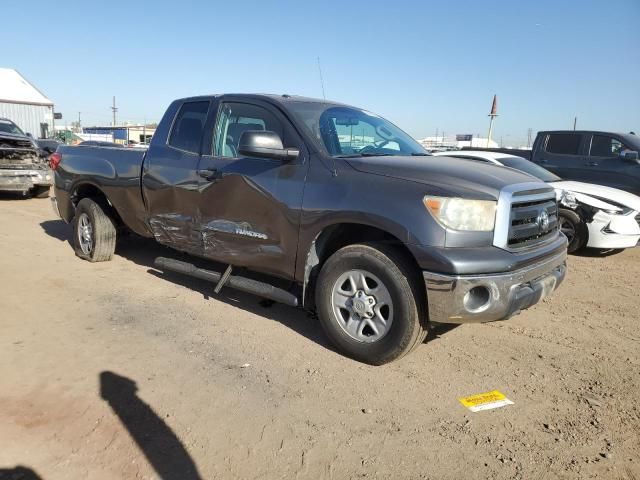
[335,236]
[92,191]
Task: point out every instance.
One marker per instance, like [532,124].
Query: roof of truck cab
[278,98]
[598,132]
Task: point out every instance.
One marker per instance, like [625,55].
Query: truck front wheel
[370,304]
[94,233]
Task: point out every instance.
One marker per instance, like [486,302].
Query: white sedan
[591,215]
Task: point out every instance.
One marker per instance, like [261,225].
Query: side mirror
[629,156]
[29,135]
[265,144]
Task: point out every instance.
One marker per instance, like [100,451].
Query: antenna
[321,80]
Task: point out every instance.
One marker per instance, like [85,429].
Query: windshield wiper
[351,155]
[418,154]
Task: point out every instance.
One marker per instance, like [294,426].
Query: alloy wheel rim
[85,234]
[362,306]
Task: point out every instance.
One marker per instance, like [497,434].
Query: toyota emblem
[543,221]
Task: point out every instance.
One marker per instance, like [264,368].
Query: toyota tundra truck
[324,206]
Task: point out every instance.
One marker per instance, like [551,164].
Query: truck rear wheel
[369,303]
[94,233]
[574,229]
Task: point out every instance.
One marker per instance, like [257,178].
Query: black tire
[574,228]
[40,192]
[103,232]
[408,327]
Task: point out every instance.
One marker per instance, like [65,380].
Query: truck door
[562,153]
[170,180]
[249,207]
[605,166]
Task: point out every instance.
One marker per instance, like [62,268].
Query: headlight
[462,214]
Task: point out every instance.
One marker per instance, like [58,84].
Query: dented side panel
[251,216]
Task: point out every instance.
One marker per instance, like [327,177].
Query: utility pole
[529,133]
[114,110]
[493,115]
[79,122]
[575,121]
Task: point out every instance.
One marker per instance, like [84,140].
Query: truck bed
[115,171]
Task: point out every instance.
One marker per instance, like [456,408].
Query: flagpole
[493,115]
[490,130]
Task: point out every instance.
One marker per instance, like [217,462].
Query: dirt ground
[116,371]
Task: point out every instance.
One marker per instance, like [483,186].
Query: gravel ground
[115,370]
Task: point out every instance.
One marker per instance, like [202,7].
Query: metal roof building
[24,104]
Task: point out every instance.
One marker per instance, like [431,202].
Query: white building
[24,104]
[442,142]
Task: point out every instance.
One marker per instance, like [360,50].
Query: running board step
[243,284]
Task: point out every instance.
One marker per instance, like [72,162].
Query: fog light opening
[477,299]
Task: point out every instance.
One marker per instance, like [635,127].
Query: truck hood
[457,176]
[15,140]
[599,193]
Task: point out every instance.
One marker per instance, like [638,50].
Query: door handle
[210,173]
[542,160]
[592,164]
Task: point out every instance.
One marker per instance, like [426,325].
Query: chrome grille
[528,225]
[520,221]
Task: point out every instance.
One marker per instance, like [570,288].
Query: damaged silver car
[24,168]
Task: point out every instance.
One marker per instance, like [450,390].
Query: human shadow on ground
[19,473]
[160,445]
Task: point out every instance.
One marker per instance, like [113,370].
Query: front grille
[12,143]
[528,225]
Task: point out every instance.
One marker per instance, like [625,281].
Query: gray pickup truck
[343,211]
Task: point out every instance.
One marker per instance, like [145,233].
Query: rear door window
[564,143]
[188,126]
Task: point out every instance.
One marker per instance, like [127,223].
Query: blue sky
[425,65]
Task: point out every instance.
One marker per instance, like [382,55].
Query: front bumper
[485,298]
[24,180]
[613,231]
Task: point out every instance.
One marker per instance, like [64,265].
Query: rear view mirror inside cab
[346,121]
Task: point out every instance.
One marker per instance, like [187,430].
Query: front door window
[236,118]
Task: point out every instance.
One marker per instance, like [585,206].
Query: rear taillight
[54,160]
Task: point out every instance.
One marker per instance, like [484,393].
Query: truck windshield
[349,132]
[9,127]
[531,168]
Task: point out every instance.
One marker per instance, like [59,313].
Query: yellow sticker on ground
[485,401]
